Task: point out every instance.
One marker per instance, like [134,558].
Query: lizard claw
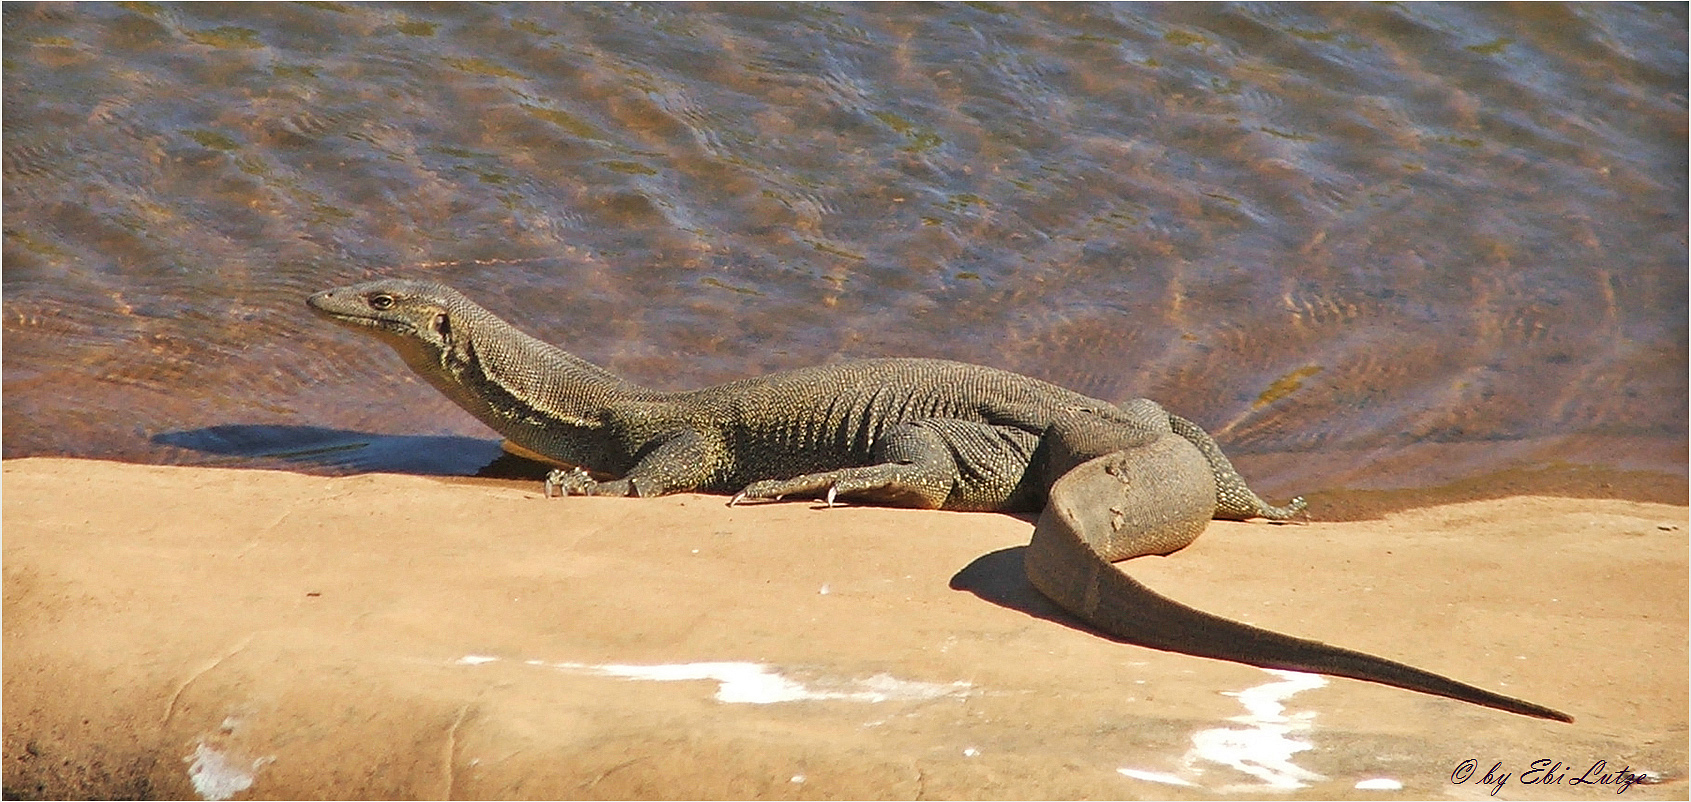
[576,482]
[752,492]
[831,491]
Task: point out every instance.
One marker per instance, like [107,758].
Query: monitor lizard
[1113,481]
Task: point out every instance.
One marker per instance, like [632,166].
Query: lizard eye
[381,302]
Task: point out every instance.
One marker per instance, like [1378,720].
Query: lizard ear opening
[443,327]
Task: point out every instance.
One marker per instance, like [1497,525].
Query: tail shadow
[1000,578]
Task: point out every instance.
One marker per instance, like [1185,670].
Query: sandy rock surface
[202,633]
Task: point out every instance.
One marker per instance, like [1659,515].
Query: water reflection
[1347,231]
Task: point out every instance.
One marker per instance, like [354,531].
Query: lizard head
[415,317]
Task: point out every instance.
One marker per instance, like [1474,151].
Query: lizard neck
[535,394]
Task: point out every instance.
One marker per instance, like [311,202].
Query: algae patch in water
[564,120]
[226,37]
[1492,47]
[628,168]
[212,140]
[1295,137]
[530,26]
[723,285]
[919,139]
[477,66]
[1285,386]
[413,27]
[1180,38]
[834,250]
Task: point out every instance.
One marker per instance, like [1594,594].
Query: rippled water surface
[1367,245]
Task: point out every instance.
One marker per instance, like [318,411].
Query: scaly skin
[1114,482]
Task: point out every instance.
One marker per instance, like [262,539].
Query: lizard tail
[1083,529]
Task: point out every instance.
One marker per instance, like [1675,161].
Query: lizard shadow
[347,451]
[1000,577]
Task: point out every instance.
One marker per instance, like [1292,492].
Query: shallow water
[1367,245]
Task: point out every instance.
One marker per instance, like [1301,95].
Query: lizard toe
[764,490]
[570,483]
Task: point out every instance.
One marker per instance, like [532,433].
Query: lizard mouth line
[355,320]
[350,319]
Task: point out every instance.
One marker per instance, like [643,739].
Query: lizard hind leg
[1234,500]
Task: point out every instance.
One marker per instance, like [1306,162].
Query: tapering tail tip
[1545,712]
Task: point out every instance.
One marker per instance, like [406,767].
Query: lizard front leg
[679,463]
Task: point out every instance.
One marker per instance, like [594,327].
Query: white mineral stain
[758,684]
[738,683]
[1155,776]
[216,776]
[1263,750]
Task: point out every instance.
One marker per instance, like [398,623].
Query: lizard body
[1113,482]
